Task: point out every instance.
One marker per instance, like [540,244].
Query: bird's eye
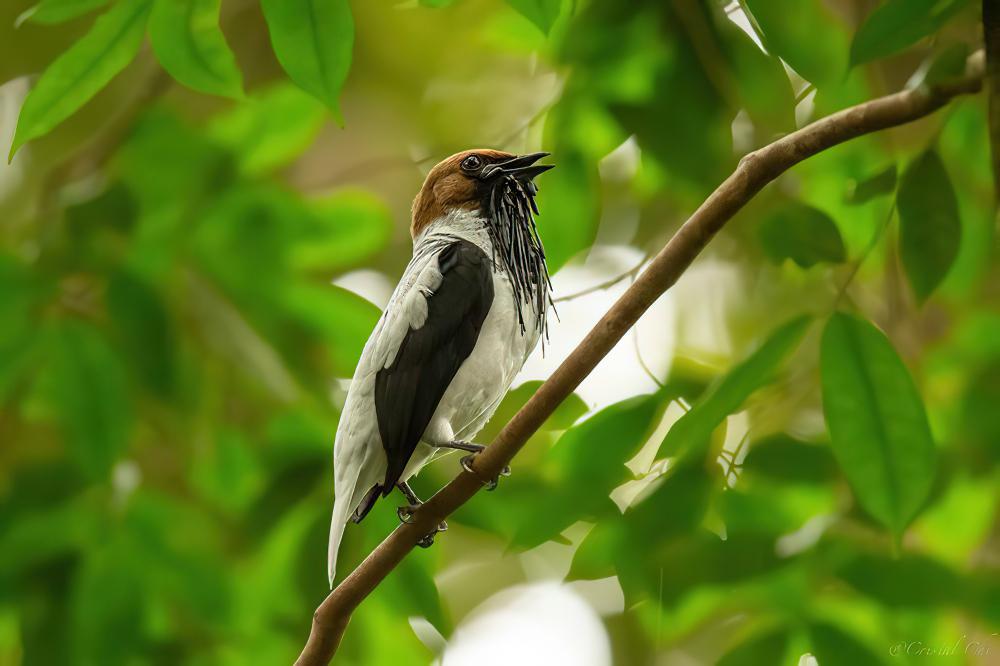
[472,162]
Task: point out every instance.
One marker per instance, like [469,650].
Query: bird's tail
[341,514]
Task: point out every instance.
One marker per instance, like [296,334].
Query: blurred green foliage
[171,341]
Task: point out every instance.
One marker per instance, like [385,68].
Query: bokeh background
[187,280]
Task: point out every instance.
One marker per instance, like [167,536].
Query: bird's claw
[490,484]
[405,514]
[407,517]
[427,540]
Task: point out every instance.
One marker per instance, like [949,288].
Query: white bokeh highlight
[538,624]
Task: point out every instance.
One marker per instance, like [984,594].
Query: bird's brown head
[465,181]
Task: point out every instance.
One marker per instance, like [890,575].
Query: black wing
[408,391]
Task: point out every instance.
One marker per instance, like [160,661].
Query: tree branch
[754,171]
[605,284]
[991,40]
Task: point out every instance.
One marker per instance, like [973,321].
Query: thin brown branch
[991,38]
[605,284]
[642,362]
[754,172]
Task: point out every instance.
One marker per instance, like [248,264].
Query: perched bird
[469,309]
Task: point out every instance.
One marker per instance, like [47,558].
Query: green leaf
[725,397]
[981,420]
[48,12]
[111,211]
[930,228]
[676,506]
[911,580]
[782,458]
[20,297]
[947,65]
[341,319]
[834,647]
[159,530]
[878,427]
[700,151]
[708,563]
[415,592]
[595,557]
[585,465]
[187,41]
[44,516]
[804,234]
[543,13]
[245,240]
[760,79]
[313,40]
[626,61]
[598,448]
[654,535]
[350,226]
[226,473]
[897,24]
[872,187]
[569,209]
[108,604]
[806,35]
[767,648]
[775,509]
[79,73]
[90,393]
[271,129]
[143,328]
[168,168]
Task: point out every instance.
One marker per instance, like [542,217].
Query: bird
[469,309]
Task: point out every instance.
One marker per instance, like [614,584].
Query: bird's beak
[522,167]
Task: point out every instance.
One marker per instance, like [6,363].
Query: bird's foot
[490,484]
[405,514]
[411,497]
[474,449]
[461,445]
